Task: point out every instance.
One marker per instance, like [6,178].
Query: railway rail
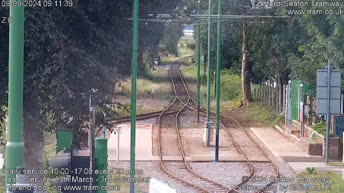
[182,101]
[185,175]
[236,188]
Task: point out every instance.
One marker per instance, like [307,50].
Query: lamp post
[15,145]
[209,73]
[133,95]
[198,60]
[218,78]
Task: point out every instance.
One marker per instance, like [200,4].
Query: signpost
[301,111]
[288,105]
[328,97]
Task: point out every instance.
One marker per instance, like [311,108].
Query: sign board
[339,125]
[322,91]
[307,110]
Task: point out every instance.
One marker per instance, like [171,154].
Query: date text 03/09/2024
[37,3]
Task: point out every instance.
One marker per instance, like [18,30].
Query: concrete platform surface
[290,153]
[143,143]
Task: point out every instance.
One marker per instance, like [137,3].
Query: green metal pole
[15,145]
[310,109]
[209,74]
[198,60]
[218,78]
[101,164]
[133,95]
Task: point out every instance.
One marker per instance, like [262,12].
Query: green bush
[310,171]
[230,86]
[280,119]
[320,128]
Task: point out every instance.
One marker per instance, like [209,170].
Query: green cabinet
[64,140]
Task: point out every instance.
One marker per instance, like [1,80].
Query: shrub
[320,128]
[230,86]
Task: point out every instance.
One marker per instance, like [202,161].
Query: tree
[68,53]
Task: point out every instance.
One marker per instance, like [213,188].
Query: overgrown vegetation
[334,180]
[320,128]
[184,50]
[261,114]
[230,87]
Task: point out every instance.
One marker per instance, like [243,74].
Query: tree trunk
[245,80]
[33,141]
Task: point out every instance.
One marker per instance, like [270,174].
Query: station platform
[192,138]
[288,152]
[143,143]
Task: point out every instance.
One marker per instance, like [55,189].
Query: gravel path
[226,173]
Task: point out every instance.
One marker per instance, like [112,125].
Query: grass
[183,51]
[230,88]
[337,184]
[154,85]
[122,187]
[336,164]
[2,181]
[144,88]
[261,114]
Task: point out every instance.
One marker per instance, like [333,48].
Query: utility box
[334,148]
[64,139]
[338,125]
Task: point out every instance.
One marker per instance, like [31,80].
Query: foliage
[310,170]
[320,128]
[72,51]
[333,179]
[3,126]
[322,41]
[171,38]
[230,86]
[280,120]
[2,181]
[261,114]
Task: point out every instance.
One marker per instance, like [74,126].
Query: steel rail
[188,168]
[177,126]
[234,189]
[277,173]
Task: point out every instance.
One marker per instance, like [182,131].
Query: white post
[118,130]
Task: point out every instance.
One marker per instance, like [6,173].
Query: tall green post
[198,60]
[218,78]
[209,74]
[133,95]
[15,146]
[101,164]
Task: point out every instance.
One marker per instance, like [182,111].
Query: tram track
[186,175]
[237,187]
